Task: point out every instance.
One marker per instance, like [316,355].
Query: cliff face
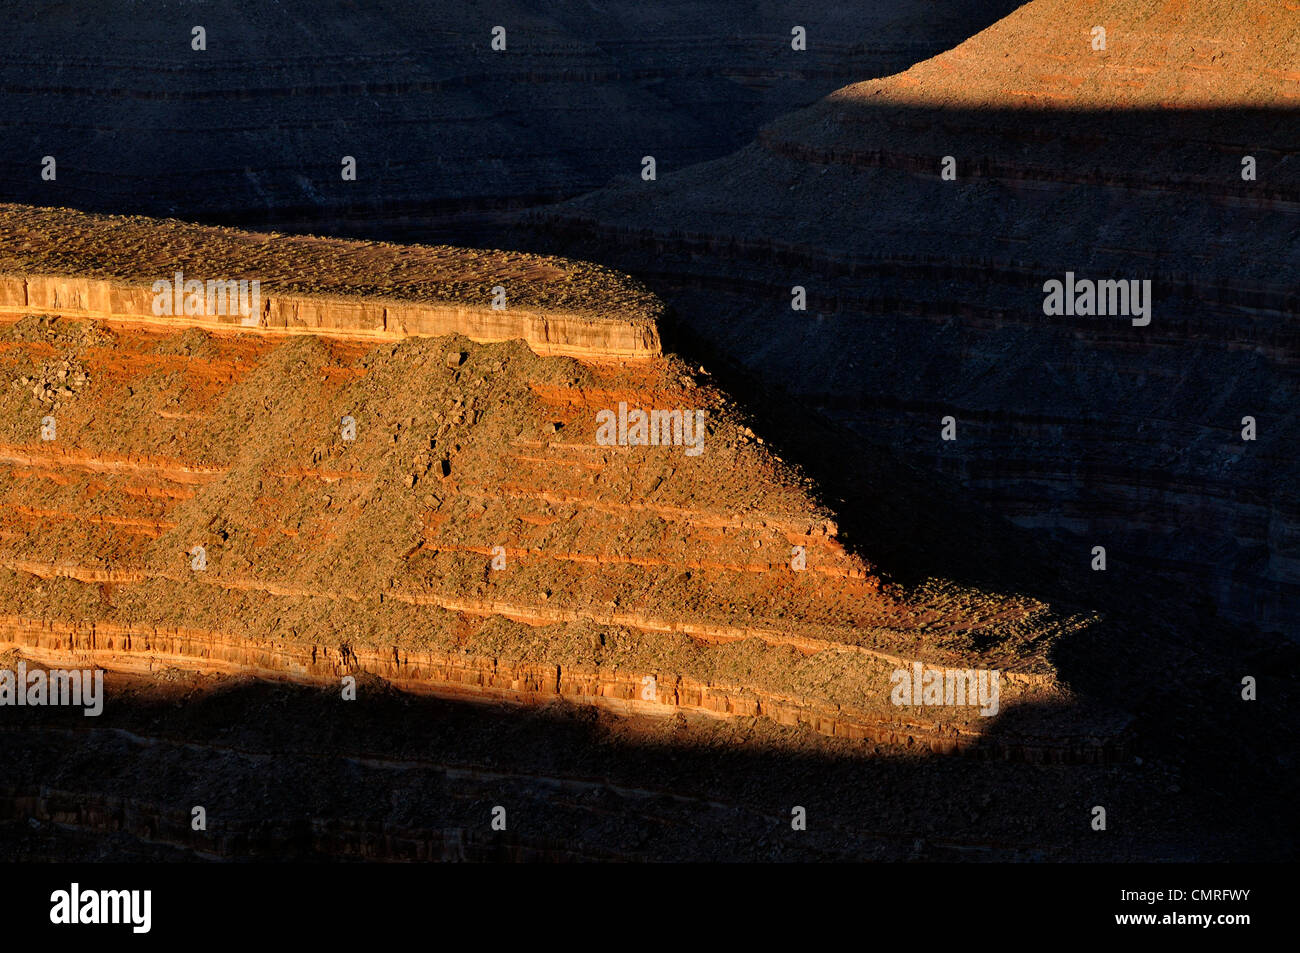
[645,651]
[178,275]
[926,294]
[350,317]
[601,633]
[472,510]
[446,131]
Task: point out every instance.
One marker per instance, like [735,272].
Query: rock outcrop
[470,491]
[1168,156]
[240,521]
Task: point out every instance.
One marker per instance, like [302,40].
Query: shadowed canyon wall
[472,540]
[447,133]
[1169,157]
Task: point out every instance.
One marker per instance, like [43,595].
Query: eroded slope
[324,554]
[925,295]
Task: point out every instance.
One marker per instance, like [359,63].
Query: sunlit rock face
[356,455]
[529,579]
[925,213]
[423,530]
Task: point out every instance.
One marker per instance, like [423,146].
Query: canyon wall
[189,508]
[448,134]
[664,652]
[470,534]
[924,280]
[647,656]
[360,318]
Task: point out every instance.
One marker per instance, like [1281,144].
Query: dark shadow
[925,299]
[448,134]
[290,773]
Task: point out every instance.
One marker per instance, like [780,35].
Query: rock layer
[352,289]
[445,131]
[925,296]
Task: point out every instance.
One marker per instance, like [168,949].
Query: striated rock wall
[925,293]
[449,135]
[572,335]
[148,650]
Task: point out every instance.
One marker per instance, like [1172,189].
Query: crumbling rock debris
[56,382]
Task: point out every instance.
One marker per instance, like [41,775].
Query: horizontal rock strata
[105,269]
[925,295]
[472,537]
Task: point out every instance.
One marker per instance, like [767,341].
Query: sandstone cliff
[187,507]
[60,262]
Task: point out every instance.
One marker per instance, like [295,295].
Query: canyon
[924,294]
[445,133]
[361,567]
[471,542]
